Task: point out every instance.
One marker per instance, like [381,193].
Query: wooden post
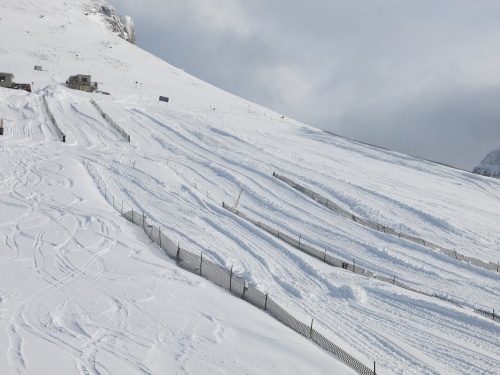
[201,262]
[374,369]
[324,258]
[143,221]
[311,330]
[178,251]
[265,304]
[1,126]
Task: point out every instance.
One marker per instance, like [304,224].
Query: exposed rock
[123,26]
[490,165]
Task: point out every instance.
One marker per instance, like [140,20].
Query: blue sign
[163,99]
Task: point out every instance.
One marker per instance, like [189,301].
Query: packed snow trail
[191,161]
[83,291]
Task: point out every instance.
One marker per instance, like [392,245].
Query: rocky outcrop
[490,165]
[123,26]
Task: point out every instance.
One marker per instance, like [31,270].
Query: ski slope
[81,282]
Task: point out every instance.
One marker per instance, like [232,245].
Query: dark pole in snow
[231,279]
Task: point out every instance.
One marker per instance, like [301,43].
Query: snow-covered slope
[490,165]
[83,291]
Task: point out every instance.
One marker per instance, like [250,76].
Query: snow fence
[237,286]
[59,132]
[329,259]
[118,128]
[381,228]
[228,280]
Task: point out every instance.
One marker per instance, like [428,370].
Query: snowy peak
[490,165]
[121,25]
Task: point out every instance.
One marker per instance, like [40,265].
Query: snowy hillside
[84,291]
[490,165]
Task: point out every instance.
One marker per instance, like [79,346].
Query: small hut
[6,79]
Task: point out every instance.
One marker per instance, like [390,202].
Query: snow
[85,291]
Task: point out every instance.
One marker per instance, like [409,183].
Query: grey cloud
[402,74]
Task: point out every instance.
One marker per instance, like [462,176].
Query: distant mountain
[490,165]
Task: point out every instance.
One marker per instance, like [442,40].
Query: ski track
[206,171]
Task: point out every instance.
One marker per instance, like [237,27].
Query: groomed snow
[84,291]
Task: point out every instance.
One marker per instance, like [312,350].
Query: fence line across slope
[226,279]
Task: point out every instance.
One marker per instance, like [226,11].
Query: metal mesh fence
[59,132]
[238,287]
[297,243]
[378,227]
[346,357]
[331,260]
[488,314]
[117,127]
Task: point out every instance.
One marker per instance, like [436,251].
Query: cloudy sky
[418,76]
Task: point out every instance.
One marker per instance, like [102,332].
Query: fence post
[394,280]
[245,287]
[278,233]
[455,253]
[265,304]
[178,250]
[324,258]
[231,280]
[201,262]
[353,265]
[374,369]
[311,330]
[143,221]
[493,314]
[498,265]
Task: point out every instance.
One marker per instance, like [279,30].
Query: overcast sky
[417,76]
